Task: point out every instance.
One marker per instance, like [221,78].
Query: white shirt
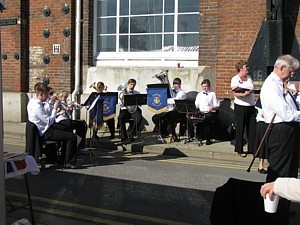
[179,95]
[120,103]
[247,100]
[65,116]
[206,100]
[273,101]
[288,188]
[38,115]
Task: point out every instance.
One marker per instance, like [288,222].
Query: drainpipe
[77,54]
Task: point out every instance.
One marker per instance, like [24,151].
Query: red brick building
[227,33]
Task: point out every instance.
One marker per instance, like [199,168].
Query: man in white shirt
[283,139]
[44,119]
[207,103]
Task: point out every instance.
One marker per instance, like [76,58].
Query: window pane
[188,6]
[106,26]
[188,23]
[169,23]
[187,40]
[169,6]
[123,42]
[106,43]
[139,7]
[169,43]
[146,24]
[123,25]
[124,7]
[107,8]
[144,43]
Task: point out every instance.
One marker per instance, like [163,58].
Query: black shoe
[208,142]
[176,139]
[72,166]
[262,171]
[112,136]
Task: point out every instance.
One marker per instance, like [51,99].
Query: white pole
[2,175]
[77,53]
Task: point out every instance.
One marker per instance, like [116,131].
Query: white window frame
[166,59]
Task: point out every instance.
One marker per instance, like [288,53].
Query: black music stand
[135,100]
[188,106]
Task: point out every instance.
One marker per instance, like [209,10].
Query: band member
[101,88]
[44,121]
[167,121]
[64,121]
[207,103]
[129,112]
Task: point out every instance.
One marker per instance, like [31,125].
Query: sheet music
[94,103]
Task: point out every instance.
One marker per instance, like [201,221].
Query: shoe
[244,155]
[72,166]
[112,137]
[208,142]
[84,151]
[262,171]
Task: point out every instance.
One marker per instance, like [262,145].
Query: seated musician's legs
[80,129]
[172,119]
[210,119]
[70,140]
[183,125]
[111,126]
[137,119]
[122,119]
[160,121]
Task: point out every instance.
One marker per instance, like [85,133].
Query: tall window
[146,30]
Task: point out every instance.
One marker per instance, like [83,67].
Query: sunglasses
[175,83]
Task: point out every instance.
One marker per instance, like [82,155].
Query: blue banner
[109,107]
[157,99]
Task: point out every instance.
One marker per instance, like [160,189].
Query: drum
[195,116]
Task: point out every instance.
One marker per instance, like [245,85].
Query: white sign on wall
[56,48]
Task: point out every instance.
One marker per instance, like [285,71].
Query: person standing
[129,112]
[207,103]
[44,120]
[244,108]
[283,139]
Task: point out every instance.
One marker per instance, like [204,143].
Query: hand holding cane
[261,142]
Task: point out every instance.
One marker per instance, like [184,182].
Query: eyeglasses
[175,83]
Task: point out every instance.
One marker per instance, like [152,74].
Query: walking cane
[261,142]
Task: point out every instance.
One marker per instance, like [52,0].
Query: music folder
[136,99]
[243,90]
[94,95]
[186,106]
[166,86]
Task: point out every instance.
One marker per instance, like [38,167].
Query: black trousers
[204,128]
[244,120]
[66,136]
[283,147]
[160,121]
[124,117]
[79,126]
[261,128]
[174,117]
[111,126]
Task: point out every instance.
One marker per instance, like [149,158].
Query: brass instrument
[123,91]
[97,87]
[164,79]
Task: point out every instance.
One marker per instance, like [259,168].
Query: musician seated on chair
[64,119]
[44,120]
[207,103]
[132,112]
[101,88]
[167,121]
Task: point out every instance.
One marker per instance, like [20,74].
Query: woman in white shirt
[244,108]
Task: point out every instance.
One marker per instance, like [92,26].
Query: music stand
[188,106]
[135,100]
